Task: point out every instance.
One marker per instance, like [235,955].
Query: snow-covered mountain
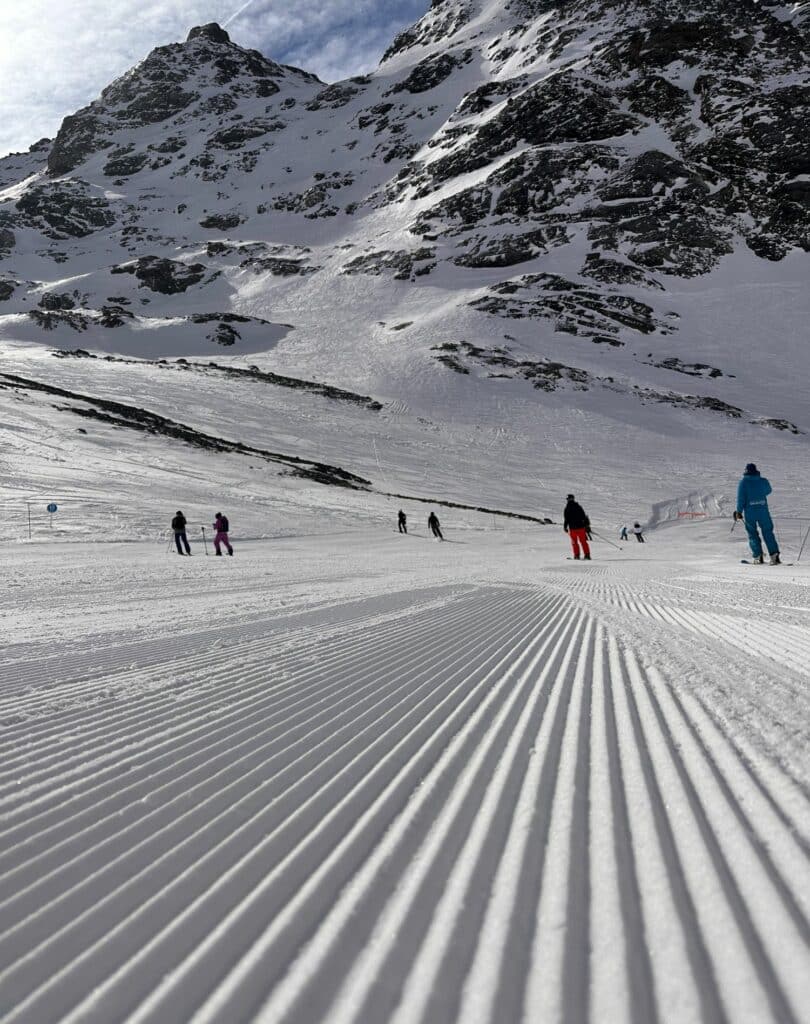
[588,217]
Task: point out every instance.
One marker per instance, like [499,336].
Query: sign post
[53,507]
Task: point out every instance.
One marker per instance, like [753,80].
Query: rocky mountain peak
[206,75]
[211,31]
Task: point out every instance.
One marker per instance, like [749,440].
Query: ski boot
[759,560]
[587,558]
[775,559]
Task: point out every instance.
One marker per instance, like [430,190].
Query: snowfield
[360,777]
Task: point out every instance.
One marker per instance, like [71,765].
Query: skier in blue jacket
[752,508]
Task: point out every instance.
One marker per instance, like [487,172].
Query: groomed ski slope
[370,778]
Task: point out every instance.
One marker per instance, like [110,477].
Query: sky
[57,55]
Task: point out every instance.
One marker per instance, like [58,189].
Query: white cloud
[65,51]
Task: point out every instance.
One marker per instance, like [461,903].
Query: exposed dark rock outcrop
[221,221]
[7,238]
[510,250]
[163,275]
[122,163]
[337,95]
[430,73]
[279,266]
[690,369]
[211,31]
[403,263]
[572,307]
[562,109]
[57,300]
[65,209]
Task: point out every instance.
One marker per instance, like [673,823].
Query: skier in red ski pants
[577,525]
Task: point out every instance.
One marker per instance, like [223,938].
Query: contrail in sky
[236,14]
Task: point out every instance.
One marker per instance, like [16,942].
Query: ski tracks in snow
[489,808]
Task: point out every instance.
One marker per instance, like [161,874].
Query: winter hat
[570,497]
[751,470]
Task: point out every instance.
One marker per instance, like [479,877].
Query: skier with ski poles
[752,508]
[434,527]
[577,525]
[221,527]
[402,522]
[638,532]
[179,527]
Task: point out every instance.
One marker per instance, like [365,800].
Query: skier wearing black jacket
[433,526]
[578,527]
[179,527]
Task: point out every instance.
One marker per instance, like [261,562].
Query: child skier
[577,525]
[221,527]
[752,507]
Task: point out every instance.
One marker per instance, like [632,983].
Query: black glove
[588,535]
[737,517]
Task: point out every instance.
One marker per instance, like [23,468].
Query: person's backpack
[224,524]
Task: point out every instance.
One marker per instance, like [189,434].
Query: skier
[752,508]
[623,533]
[577,525]
[433,526]
[221,527]
[179,527]
[402,522]
[638,532]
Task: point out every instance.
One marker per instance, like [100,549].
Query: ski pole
[205,542]
[599,535]
[169,548]
[801,549]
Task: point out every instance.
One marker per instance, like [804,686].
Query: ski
[745,561]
